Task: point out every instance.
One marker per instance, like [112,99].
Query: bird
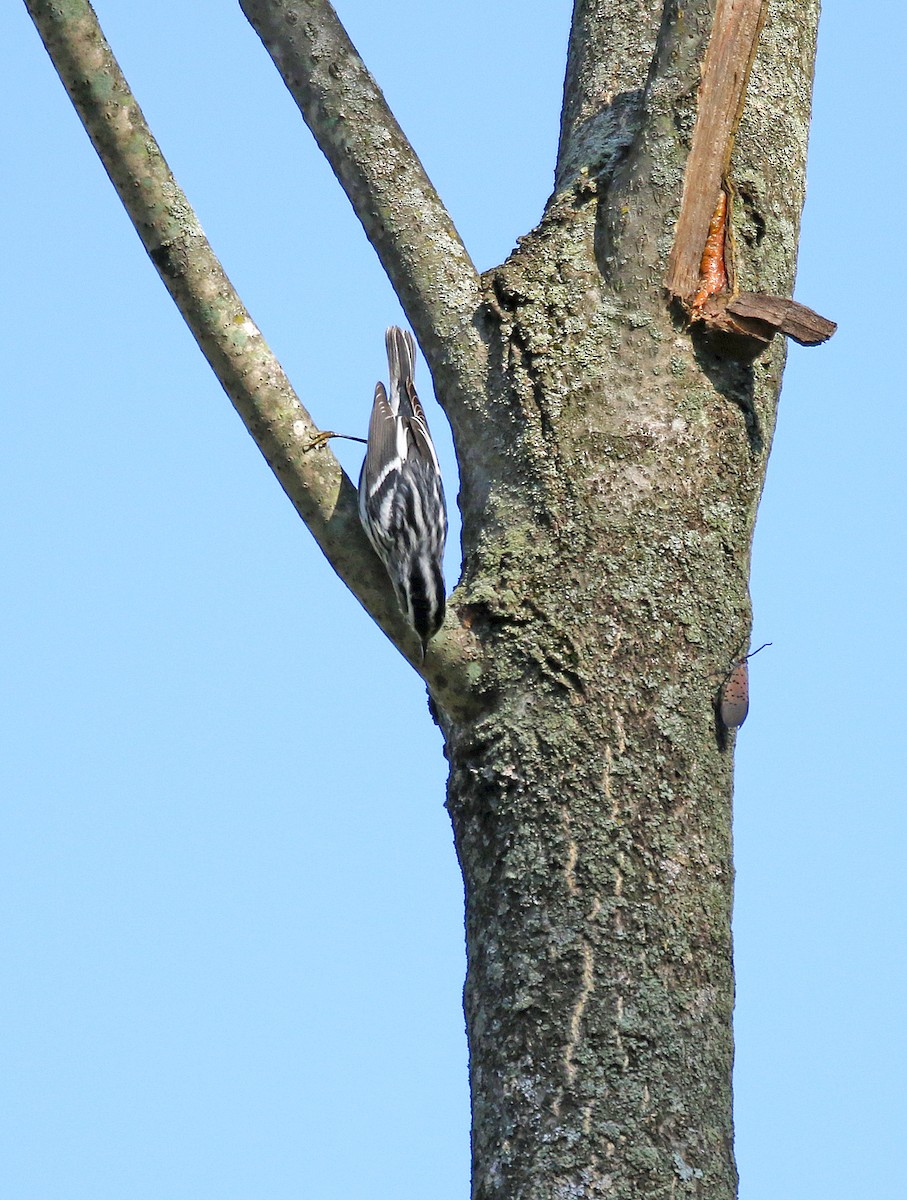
[401,496]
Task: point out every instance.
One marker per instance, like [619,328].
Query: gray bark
[611,465]
[606,570]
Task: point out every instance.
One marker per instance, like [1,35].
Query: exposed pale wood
[725,73]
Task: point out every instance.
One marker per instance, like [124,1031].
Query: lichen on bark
[611,463]
[608,518]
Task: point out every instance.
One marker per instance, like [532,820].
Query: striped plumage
[401,499]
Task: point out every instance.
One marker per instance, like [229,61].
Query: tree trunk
[608,515]
[611,462]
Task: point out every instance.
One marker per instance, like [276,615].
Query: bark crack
[587,984]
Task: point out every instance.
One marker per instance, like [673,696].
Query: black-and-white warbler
[401,500]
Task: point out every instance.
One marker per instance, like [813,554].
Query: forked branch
[250,374]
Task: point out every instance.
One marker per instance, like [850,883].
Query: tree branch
[251,376]
[403,217]
[607,62]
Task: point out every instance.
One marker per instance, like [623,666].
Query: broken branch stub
[725,74]
[701,265]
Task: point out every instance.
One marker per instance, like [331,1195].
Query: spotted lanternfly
[735,697]
[735,693]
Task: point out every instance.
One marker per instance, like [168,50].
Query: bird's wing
[383,454]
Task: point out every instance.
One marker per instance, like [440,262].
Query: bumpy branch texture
[407,224]
[253,379]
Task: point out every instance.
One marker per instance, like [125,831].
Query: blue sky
[232,932]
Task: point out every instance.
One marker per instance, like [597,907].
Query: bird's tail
[401,362]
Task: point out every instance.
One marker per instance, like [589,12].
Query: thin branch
[403,217]
[251,376]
